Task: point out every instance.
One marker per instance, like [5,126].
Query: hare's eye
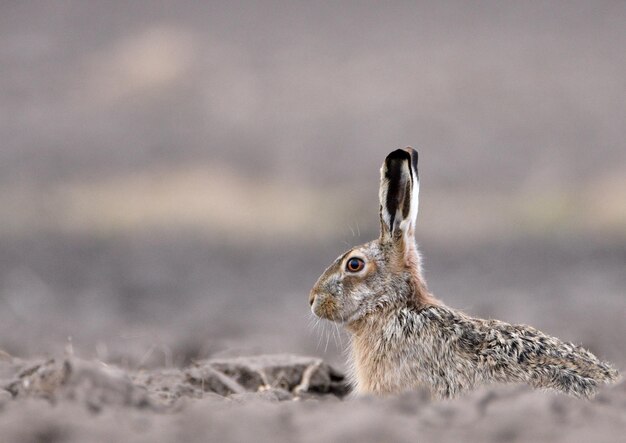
[355,264]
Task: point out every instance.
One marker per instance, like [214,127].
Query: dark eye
[354,264]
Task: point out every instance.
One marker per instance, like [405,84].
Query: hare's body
[449,353]
[403,338]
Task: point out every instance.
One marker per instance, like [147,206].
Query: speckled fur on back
[403,338]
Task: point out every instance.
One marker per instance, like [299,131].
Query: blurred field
[174,177]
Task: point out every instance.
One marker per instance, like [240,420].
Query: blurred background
[174,176]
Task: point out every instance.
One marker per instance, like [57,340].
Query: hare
[403,338]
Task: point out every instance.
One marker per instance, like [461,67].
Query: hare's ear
[399,195]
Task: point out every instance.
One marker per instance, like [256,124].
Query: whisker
[320,336]
[339,334]
[351,230]
[333,329]
[327,339]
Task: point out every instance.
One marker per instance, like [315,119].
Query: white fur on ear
[408,224]
[399,193]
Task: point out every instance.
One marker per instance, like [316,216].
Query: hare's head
[384,271]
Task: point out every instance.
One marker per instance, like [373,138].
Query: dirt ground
[276,398]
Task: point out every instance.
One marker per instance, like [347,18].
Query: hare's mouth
[326,306]
[323,306]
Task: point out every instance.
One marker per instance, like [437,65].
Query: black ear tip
[399,154]
[407,153]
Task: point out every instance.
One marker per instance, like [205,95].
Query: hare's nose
[311,298]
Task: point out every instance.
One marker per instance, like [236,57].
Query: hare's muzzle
[323,305]
[316,302]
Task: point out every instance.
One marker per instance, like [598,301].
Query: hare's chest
[382,369]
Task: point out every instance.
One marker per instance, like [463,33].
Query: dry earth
[275,398]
